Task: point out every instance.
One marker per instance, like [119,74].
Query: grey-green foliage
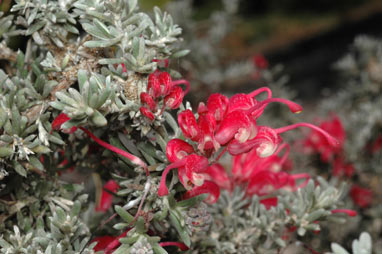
[59,236]
[246,226]
[24,117]
[95,94]
[42,218]
[138,39]
[46,21]
[363,245]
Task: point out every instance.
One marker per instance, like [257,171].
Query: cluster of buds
[161,90]
[224,124]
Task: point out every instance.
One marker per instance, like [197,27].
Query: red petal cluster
[230,124]
[161,89]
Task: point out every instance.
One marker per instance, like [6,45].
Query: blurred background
[306,37]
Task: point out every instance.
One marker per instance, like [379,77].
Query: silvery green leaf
[98,119]
[65,98]
[180,53]
[35,27]
[19,169]
[99,15]
[102,28]
[37,38]
[71,29]
[138,48]
[180,229]
[36,163]
[337,249]
[102,44]
[132,5]
[111,61]
[57,41]
[126,216]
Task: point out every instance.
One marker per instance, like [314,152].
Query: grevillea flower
[148,101]
[361,196]
[174,98]
[60,120]
[188,125]
[147,113]
[217,174]
[340,168]
[349,212]
[190,170]
[259,61]
[106,197]
[108,244]
[153,85]
[207,126]
[177,149]
[316,142]
[267,140]
[238,125]
[217,105]
[208,187]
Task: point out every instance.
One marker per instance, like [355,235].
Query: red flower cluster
[335,156]
[230,124]
[262,176]
[315,142]
[162,89]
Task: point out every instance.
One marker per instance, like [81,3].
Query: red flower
[60,120]
[361,196]
[153,85]
[318,143]
[174,98]
[106,197]
[148,101]
[260,62]
[208,187]
[267,140]
[177,149]
[187,123]
[108,243]
[349,212]
[340,168]
[217,105]
[238,125]
[217,174]
[147,113]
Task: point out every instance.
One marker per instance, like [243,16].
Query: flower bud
[188,125]
[174,98]
[147,113]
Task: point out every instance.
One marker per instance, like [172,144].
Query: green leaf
[125,215]
[36,163]
[181,53]
[19,169]
[181,231]
[5,151]
[192,201]
[35,27]
[98,119]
